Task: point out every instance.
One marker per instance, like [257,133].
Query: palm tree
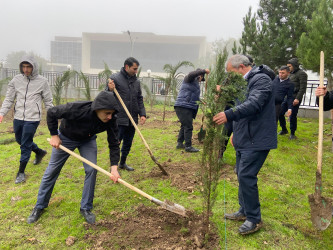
[103,76]
[171,80]
[87,88]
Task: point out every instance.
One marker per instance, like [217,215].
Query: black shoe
[191,149]
[283,132]
[34,216]
[88,216]
[125,166]
[20,177]
[292,137]
[180,145]
[39,156]
[249,227]
[235,216]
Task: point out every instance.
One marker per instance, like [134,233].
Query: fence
[157,86]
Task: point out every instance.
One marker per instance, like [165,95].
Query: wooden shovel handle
[131,119]
[93,165]
[321,116]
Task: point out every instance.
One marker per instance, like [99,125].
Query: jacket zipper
[38,109]
[25,98]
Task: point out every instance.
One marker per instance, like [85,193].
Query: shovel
[168,205]
[137,130]
[321,207]
[202,132]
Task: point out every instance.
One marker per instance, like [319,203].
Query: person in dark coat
[328,101]
[186,107]
[299,78]
[328,97]
[283,89]
[129,89]
[254,135]
[80,123]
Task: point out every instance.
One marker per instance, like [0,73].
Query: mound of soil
[151,228]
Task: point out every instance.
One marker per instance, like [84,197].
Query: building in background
[152,51]
[66,51]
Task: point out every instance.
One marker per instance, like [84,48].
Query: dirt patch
[151,228]
[186,176]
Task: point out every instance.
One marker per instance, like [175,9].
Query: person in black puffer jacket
[129,89]
[254,135]
[299,78]
[80,122]
[186,107]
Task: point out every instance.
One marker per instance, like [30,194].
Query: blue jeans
[248,165]
[88,150]
[24,135]
[126,134]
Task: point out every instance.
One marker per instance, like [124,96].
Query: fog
[31,25]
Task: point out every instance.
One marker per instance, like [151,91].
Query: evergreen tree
[272,34]
[319,37]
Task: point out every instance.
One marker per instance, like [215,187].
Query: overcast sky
[30,25]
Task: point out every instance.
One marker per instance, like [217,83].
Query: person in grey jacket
[129,89]
[27,90]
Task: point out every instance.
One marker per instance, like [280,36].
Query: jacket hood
[105,100]
[33,62]
[262,69]
[295,63]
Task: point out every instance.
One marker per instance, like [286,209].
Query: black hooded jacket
[80,122]
[299,79]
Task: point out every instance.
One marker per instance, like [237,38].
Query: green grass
[285,181]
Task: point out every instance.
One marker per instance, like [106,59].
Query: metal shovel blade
[321,211]
[201,135]
[170,206]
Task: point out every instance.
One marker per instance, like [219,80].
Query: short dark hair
[130,61]
[284,67]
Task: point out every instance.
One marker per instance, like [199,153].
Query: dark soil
[151,228]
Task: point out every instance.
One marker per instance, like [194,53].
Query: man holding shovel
[328,101]
[186,107]
[253,137]
[129,89]
[80,123]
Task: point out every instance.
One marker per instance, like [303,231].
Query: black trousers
[126,134]
[293,117]
[185,117]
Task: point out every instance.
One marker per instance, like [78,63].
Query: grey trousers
[88,150]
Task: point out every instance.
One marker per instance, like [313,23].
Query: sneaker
[235,216]
[88,216]
[191,149]
[125,166]
[34,216]
[249,227]
[283,132]
[292,137]
[20,177]
[180,145]
[39,156]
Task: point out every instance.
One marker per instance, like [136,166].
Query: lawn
[285,181]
